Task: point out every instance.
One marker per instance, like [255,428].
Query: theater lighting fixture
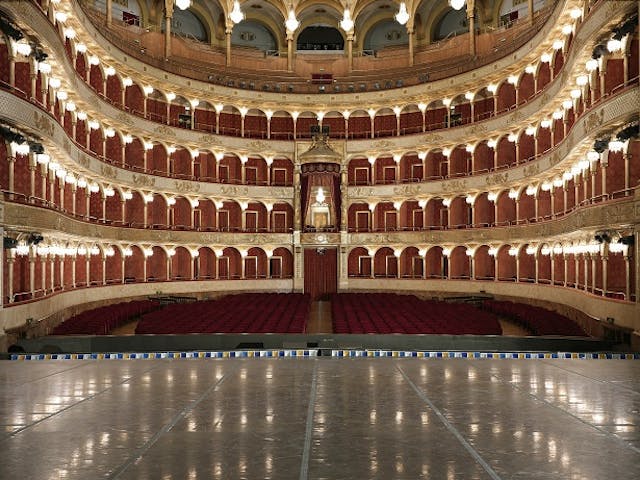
[402,17]
[558,44]
[591,65]
[44,67]
[614,45]
[346,23]
[23,48]
[81,48]
[545,58]
[236,15]
[61,17]
[582,80]
[567,30]
[593,156]
[94,60]
[70,33]
[616,145]
[183,4]
[292,22]
[575,13]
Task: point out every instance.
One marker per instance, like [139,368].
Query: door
[320,272]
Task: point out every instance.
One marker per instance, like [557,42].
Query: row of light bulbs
[567,248]
[581,80]
[69,250]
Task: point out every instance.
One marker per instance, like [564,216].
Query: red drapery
[320,272]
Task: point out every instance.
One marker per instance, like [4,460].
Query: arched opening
[320,37]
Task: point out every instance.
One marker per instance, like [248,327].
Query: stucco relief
[594,121]
[408,190]
[44,124]
[165,131]
[126,119]
[143,180]
[209,139]
[109,172]
[234,191]
[454,186]
[496,179]
[184,186]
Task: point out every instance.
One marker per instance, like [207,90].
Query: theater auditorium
[319,239]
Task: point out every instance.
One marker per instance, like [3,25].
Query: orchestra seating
[386,313]
[538,320]
[100,321]
[243,313]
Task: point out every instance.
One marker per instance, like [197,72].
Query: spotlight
[8,243]
[601,145]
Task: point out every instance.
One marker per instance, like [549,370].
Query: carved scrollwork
[184,186]
[44,124]
[143,180]
[407,189]
[233,190]
[454,185]
[108,171]
[594,120]
[497,178]
[124,118]
[164,130]
[530,170]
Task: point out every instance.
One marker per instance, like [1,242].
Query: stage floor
[320,418]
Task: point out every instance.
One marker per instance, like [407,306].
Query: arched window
[186,24]
[253,34]
[320,37]
[385,34]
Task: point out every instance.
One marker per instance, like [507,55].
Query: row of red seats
[391,313]
[243,313]
[100,321]
[538,320]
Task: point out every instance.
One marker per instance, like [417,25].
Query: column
[109,13]
[10,261]
[32,272]
[289,50]
[344,189]
[227,34]
[411,34]
[530,9]
[297,213]
[168,14]
[471,20]
[350,39]
[604,274]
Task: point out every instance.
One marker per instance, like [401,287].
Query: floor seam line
[83,364]
[449,426]
[69,407]
[304,464]
[619,387]
[605,432]
[139,453]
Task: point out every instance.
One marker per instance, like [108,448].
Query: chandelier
[236,15]
[402,17]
